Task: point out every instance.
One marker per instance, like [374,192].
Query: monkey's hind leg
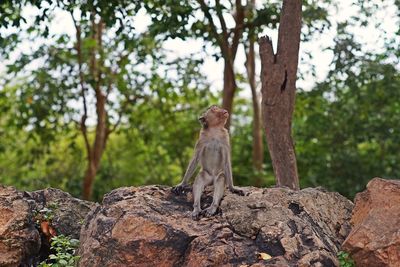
[202,179]
[219,187]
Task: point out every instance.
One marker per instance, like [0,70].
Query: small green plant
[345,260]
[63,248]
[45,214]
[53,205]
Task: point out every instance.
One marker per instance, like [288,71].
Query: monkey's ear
[203,122]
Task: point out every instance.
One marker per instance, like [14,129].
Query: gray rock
[69,212]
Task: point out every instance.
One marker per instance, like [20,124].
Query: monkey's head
[214,117]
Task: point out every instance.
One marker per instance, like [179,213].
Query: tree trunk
[278,77]
[98,147]
[258,147]
[95,151]
[229,89]
[93,164]
[88,180]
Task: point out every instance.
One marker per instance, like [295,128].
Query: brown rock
[24,239]
[375,237]
[150,226]
[19,239]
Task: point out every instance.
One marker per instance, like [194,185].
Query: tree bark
[88,180]
[278,77]
[258,147]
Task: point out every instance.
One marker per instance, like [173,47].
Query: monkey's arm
[189,171]
[191,168]
[228,174]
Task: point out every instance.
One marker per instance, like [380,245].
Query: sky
[369,36]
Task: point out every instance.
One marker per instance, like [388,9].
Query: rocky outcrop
[150,226]
[22,242]
[375,237]
[19,239]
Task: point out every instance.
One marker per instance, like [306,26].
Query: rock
[375,236]
[68,212]
[19,239]
[150,226]
[21,242]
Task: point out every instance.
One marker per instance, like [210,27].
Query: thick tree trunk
[258,147]
[278,77]
[229,89]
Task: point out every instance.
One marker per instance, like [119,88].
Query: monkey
[212,151]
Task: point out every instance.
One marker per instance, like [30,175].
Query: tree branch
[238,30]
[224,47]
[266,50]
[99,46]
[221,19]
[289,32]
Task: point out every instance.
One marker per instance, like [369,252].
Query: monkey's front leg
[200,182]
[183,186]
[219,187]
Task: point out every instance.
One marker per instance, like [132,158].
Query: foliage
[45,214]
[49,97]
[184,19]
[156,145]
[63,252]
[29,164]
[143,151]
[345,129]
[345,260]
[88,81]
[241,142]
